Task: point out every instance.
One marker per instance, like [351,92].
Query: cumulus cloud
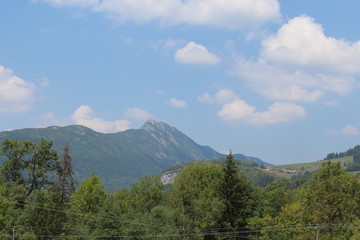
[220,13]
[302,42]
[299,63]
[84,115]
[348,130]
[263,76]
[194,53]
[239,112]
[292,93]
[222,96]
[236,111]
[16,95]
[138,113]
[177,103]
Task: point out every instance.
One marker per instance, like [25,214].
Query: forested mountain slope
[120,158]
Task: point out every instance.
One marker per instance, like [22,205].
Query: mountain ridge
[120,158]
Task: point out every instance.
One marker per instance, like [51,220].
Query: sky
[274,79]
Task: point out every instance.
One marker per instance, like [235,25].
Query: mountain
[120,158]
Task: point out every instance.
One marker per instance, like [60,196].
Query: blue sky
[273,79]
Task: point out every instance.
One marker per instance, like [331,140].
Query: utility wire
[84,214]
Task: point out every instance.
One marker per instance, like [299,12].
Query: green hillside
[250,169]
[313,166]
[308,167]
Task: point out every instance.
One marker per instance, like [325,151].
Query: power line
[208,232]
[238,234]
[83,214]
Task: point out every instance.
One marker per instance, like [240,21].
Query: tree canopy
[206,201]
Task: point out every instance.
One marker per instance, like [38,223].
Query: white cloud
[205,97]
[302,42]
[220,13]
[222,96]
[282,83]
[236,111]
[138,113]
[225,95]
[121,125]
[177,103]
[292,93]
[16,95]
[239,112]
[194,53]
[65,3]
[84,115]
[299,63]
[348,130]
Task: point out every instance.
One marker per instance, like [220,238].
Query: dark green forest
[39,199]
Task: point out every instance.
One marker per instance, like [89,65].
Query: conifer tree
[236,194]
[66,182]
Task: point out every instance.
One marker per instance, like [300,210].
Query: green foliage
[249,169]
[45,209]
[10,210]
[28,163]
[355,165]
[328,206]
[237,194]
[300,179]
[117,216]
[258,177]
[350,152]
[169,223]
[65,184]
[331,198]
[147,193]
[206,201]
[15,153]
[273,198]
[84,204]
[195,191]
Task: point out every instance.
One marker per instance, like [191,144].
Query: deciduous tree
[28,163]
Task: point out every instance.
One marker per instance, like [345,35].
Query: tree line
[39,200]
[353,152]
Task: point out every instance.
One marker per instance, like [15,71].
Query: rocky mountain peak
[162,132]
[152,124]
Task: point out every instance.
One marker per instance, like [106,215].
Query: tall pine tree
[236,193]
